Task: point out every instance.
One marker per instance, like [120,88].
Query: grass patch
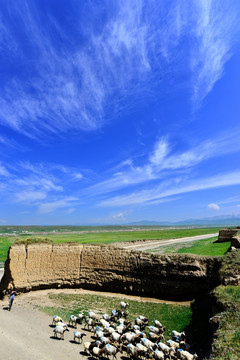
[32,240]
[199,247]
[227,340]
[173,317]
[4,247]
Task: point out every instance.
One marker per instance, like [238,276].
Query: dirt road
[157,244]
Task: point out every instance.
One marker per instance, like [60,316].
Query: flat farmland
[94,235]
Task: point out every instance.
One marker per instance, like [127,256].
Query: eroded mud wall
[107,268]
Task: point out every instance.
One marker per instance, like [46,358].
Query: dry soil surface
[26,332]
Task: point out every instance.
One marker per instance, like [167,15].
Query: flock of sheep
[114,333]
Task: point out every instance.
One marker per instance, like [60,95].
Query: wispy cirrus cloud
[3,171]
[165,161]
[72,83]
[31,184]
[167,190]
[30,196]
[216,31]
[64,203]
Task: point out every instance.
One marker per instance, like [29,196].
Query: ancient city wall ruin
[106,268]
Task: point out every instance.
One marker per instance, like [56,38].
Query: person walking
[11,298]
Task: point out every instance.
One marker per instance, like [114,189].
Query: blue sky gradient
[119,111]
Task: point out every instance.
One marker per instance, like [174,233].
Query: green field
[93,235]
[172,316]
[99,235]
[201,247]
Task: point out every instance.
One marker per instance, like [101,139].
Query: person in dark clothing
[11,298]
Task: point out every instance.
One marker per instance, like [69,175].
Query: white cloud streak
[156,193]
[50,207]
[217,28]
[164,162]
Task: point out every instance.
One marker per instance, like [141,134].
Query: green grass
[173,317]
[106,236]
[200,247]
[227,339]
[33,240]
[5,243]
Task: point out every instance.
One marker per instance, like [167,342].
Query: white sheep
[129,337]
[124,305]
[56,319]
[143,318]
[104,323]
[173,344]
[132,351]
[96,352]
[155,337]
[104,340]
[78,335]
[61,324]
[178,336]
[158,355]
[89,324]
[108,330]
[154,329]
[88,346]
[136,327]
[120,328]
[164,348]
[99,333]
[143,351]
[140,323]
[157,324]
[106,317]
[73,320]
[115,336]
[148,343]
[121,321]
[81,317]
[110,350]
[185,355]
[60,330]
[140,334]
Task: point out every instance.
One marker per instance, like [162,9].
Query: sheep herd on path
[115,334]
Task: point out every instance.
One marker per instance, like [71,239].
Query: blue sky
[119,111]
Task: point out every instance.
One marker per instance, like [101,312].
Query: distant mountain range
[224,220]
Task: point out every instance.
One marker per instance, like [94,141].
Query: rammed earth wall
[106,268]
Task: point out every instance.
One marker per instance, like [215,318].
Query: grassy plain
[173,317]
[97,235]
[200,247]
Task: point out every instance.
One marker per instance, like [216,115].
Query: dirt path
[155,244]
[26,332]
